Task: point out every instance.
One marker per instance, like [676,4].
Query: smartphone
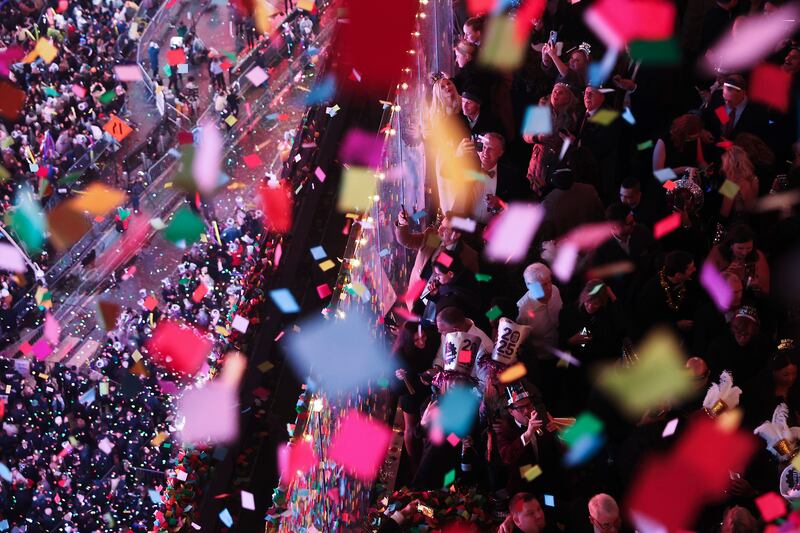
[553,37]
[478,143]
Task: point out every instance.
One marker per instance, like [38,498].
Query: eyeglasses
[603,525]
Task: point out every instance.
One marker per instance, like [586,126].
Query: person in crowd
[687,146]
[738,255]
[741,349]
[712,321]
[670,297]
[647,209]
[600,141]
[604,514]
[415,348]
[737,169]
[525,515]
[429,244]
[569,205]
[504,183]
[741,115]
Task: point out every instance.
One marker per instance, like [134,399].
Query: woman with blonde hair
[737,168]
[445,100]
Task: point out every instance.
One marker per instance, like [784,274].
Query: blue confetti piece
[599,72]
[549,500]
[5,473]
[628,116]
[318,252]
[322,92]
[226,517]
[220,452]
[457,411]
[155,496]
[538,120]
[312,51]
[536,290]
[583,449]
[3,525]
[284,300]
[271,116]
[418,215]
[384,252]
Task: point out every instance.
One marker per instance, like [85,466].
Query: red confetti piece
[722,114]
[277,207]
[376,51]
[770,85]
[185,137]
[178,348]
[323,290]
[252,161]
[771,506]
[199,293]
[150,303]
[667,225]
[176,57]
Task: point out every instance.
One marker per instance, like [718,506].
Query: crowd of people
[726,183]
[83,452]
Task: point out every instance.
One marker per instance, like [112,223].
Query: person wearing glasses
[604,514]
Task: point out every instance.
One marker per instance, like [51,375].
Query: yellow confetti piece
[729,189]
[656,378]
[513,373]
[327,265]
[266,366]
[159,438]
[168,185]
[357,190]
[530,472]
[502,48]
[230,120]
[43,376]
[97,200]
[203,237]
[136,356]
[604,117]
[223,331]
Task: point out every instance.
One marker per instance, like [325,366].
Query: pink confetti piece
[52,329]
[211,414]
[716,286]
[510,233]
[755,38]
[207,161]
[360,445]
[667,225]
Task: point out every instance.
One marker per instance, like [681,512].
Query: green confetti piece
[483,277]
[185,226]
[28,222]
[585,424]
[49,91]
[645,145]
[656,52]
[493,313]
[449,478]
[108,97]
[167,70]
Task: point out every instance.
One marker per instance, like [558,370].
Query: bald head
[604,514]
